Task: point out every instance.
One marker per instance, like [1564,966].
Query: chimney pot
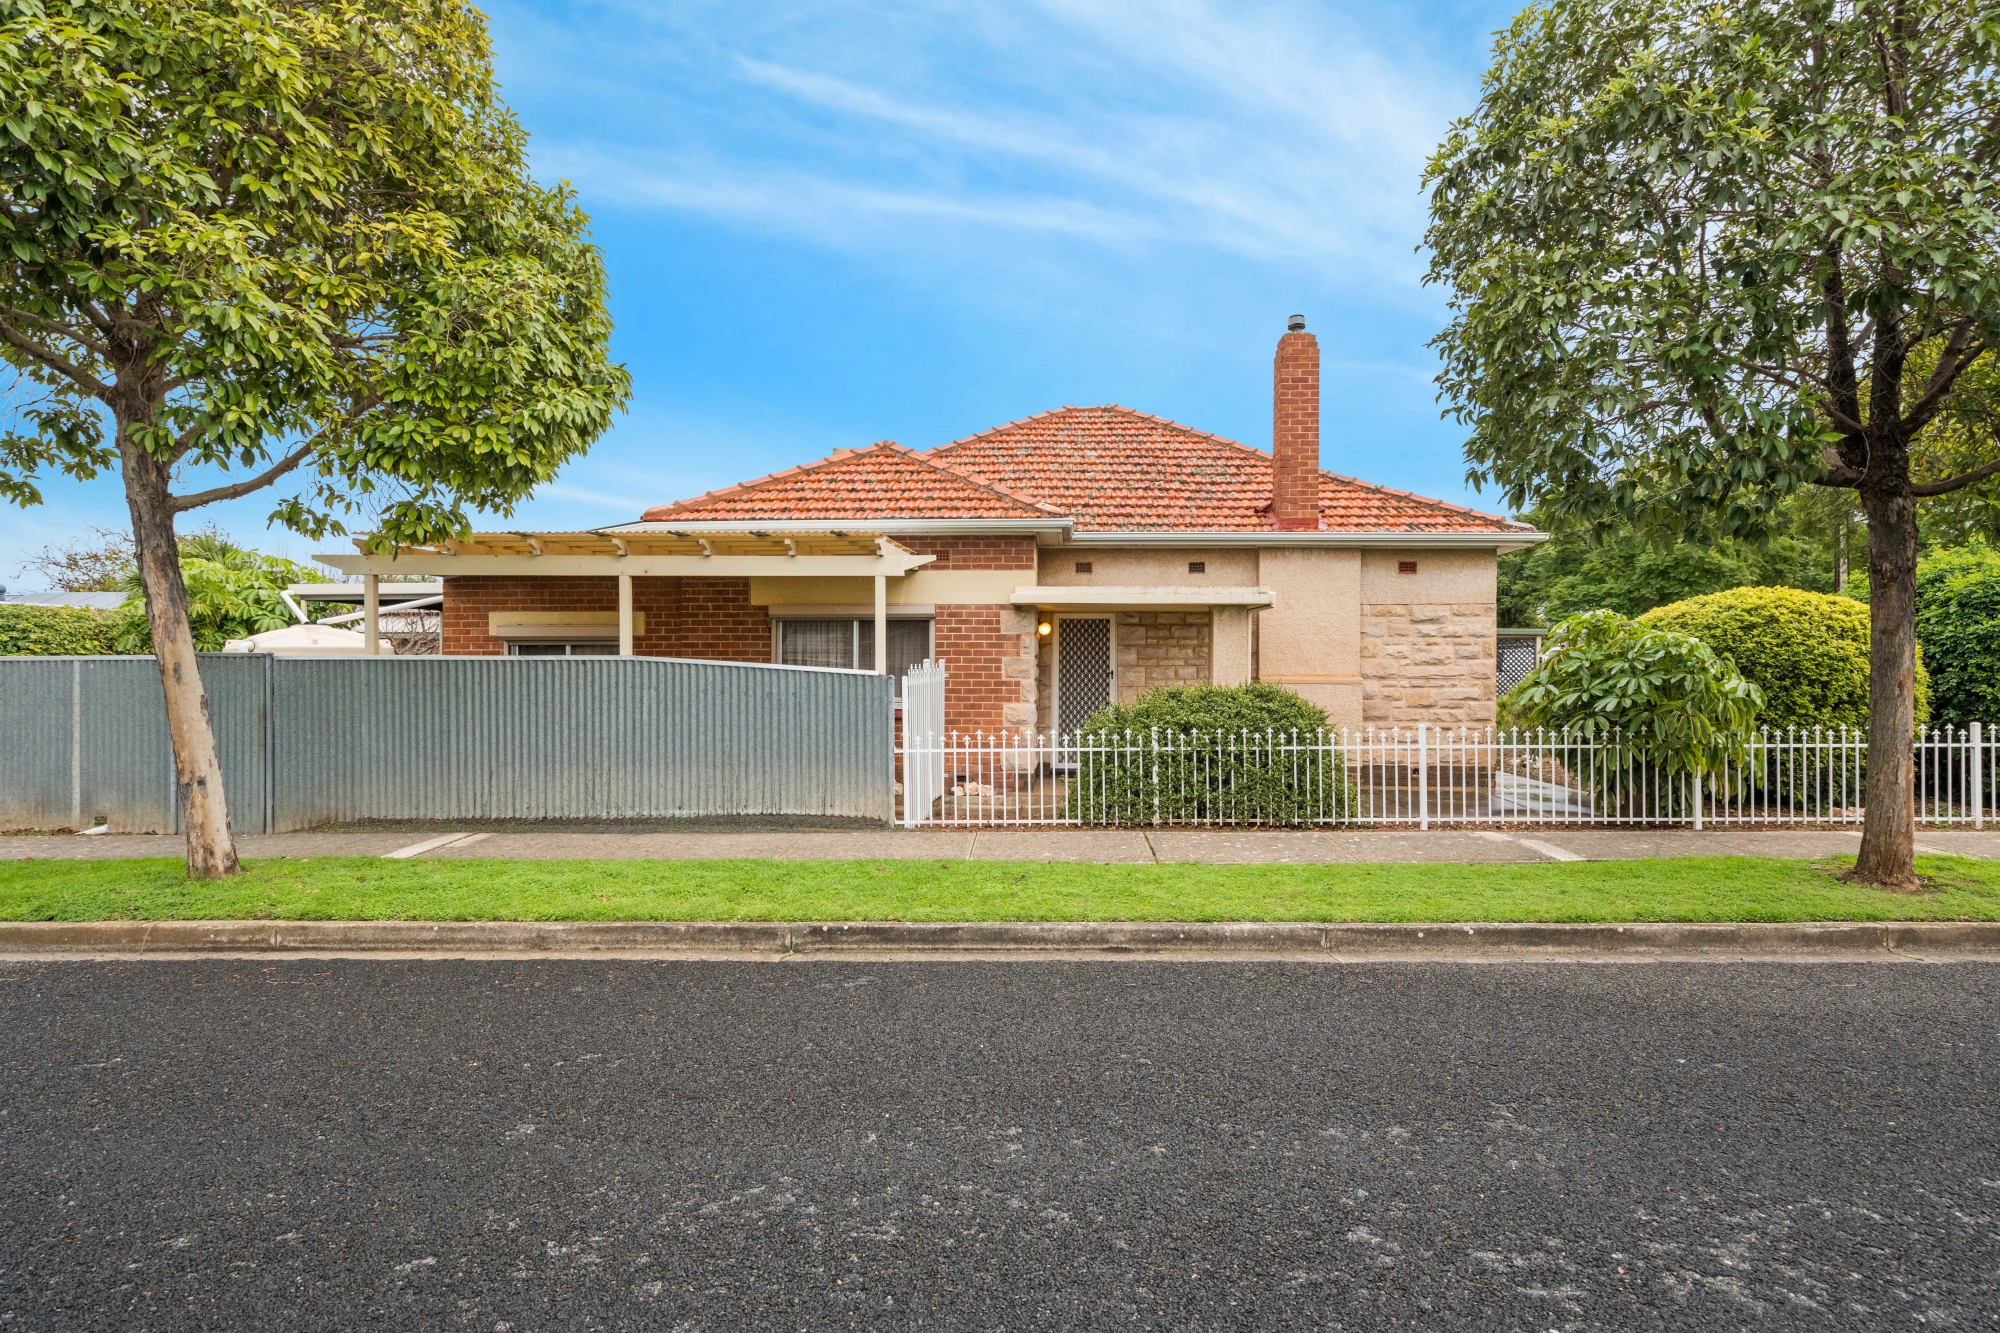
[1295,430]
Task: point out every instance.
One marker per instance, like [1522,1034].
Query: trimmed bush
[52,631]
[1208,754]
[1807,651]
[1958,625]
[1646,694]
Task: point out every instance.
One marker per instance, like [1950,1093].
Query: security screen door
[1083,669]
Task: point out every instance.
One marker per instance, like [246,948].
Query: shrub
[1807,651]
[233,593]
[52,631]
[1197,754]
[1644,693]
[1958,625]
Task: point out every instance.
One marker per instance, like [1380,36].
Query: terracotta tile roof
[1108,468]
[882,481]
[1111,468]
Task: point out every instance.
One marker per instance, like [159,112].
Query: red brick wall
[977,644]
[713,618]
[974,552]
[709,618]
[988,650]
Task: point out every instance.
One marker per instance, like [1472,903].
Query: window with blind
[850,643]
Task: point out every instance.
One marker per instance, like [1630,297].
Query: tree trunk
[211,852]
[1889,831]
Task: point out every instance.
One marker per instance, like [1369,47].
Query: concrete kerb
[1240,940]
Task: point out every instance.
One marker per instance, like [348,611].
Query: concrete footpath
[1102,846]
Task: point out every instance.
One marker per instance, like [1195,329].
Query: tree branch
[291,460]
[183,503]
[1952,362]
[1963,479]
[1838,473]
[76,374]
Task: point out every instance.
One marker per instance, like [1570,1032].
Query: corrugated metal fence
[308,741]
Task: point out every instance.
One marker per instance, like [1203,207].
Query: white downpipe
[371,612]
[624,615]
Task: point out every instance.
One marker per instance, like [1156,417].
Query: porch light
[1045,629]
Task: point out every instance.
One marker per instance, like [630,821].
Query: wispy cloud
[1274,133]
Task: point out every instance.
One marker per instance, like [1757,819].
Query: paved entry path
[1104,846]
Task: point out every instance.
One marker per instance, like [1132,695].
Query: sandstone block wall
[1427,662]
[1158,648]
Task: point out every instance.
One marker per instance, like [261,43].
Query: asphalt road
[565,1145]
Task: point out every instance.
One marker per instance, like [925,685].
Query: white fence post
[1697,800]
[1978,783]
[1423,779]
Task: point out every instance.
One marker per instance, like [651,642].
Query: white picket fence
[1414,777]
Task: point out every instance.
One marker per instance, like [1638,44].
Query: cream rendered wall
[1310,642]
[1167,566]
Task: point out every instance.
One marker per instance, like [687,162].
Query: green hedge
[1958,626]
[1192,754]
[52,631]
[1807,651]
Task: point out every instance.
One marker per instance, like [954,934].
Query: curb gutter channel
[1247,938]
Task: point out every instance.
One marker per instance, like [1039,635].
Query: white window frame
[569,647]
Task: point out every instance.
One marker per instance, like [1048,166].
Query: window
[1083,566]
[1197,566]
[1406,566]
[851,643]
[562,650]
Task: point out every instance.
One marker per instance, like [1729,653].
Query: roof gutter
[1476,541]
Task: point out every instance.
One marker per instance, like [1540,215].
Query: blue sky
[834,223]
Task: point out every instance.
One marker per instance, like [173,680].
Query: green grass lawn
[357,888]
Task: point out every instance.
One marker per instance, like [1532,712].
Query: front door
[1084,671]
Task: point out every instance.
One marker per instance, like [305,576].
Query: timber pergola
[642,551]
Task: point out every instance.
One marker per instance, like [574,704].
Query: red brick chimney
[1295,430]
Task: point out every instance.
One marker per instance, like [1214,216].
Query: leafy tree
[1626,569]
[282,241]
[1646,695]
[1699,257]
[1958,623]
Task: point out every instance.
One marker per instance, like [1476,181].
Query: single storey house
[1054,563]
